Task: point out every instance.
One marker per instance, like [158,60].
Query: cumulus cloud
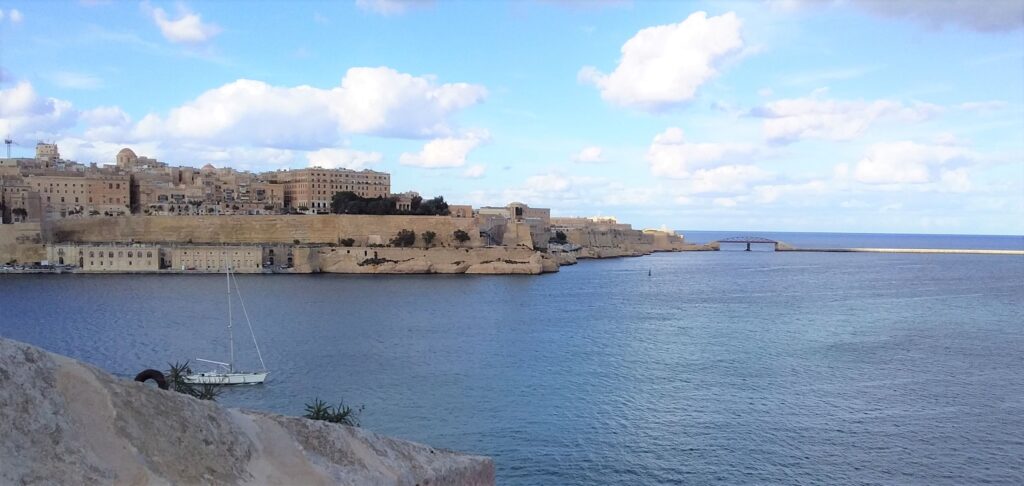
[589,154]
[390,7]
[24,114]
[342,158]
[670,155]
[812,117]
[663,66]
[188,28]
[910,163]
[445,152]
[376,101]
[725,179]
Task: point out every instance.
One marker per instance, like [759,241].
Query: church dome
[126,157]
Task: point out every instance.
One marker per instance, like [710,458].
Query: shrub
[428,237]
[560,237]
[461,236]
[176,382]
[347,241]
[406,237]
[342,414]
[296,241]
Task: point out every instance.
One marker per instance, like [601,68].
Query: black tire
[154,375]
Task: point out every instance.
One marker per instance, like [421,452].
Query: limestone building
[311,189]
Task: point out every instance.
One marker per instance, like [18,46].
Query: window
[120,254]
[110,254]
[149,254]
[90,256]
[129,254]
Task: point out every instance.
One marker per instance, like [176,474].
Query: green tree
[461,236]
[406,237]
[428,238]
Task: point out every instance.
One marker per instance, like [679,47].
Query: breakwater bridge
[757,243]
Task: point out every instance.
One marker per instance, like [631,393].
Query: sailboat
[226,373]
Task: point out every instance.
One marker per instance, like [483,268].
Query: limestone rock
[64,422]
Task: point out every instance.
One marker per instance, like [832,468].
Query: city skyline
[789,115]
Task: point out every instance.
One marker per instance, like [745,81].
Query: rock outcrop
[64,422]
[491,260]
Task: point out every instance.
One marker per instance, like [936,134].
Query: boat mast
[231,337]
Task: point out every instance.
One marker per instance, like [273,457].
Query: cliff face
[64,422]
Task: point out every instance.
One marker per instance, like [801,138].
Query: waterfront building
[106,257]
[312,189]
[208,258]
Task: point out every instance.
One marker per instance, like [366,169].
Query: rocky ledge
[64,422]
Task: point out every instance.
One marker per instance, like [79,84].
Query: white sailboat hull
[216,378]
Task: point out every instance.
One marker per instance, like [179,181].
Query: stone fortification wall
[495,260]
[21,242]
[64,422]
[609,241]
[257,229]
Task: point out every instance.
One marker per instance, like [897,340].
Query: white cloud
[188,28]
[474,171]
[73,80]
[789,120]
[25,115]
[106,123]
[770,193]
[909,163]
[376,101]
[15,16]
[725,179]
[335,158]
[390,7]
[589,154]
[445,152]
[663,66]
[671,156]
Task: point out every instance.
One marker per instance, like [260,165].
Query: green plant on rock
[175,377]
[428,238]
[342,414]
[461,236]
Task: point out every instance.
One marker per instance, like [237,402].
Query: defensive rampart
[326,229]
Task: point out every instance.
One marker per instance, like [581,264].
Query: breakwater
[960,251]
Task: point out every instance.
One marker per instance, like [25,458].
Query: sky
[781,115]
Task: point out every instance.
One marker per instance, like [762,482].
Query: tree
[434,207]
[406,237]
[19,213]
[560,237]
[461,236]
[347,241]
[428,238]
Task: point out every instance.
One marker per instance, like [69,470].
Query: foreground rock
[64,422]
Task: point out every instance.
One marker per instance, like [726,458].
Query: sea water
[682,368]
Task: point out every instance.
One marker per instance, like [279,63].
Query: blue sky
[787,115]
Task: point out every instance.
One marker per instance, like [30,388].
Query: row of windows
[110,264]
[120,254]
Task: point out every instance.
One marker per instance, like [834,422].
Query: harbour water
[740,368]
